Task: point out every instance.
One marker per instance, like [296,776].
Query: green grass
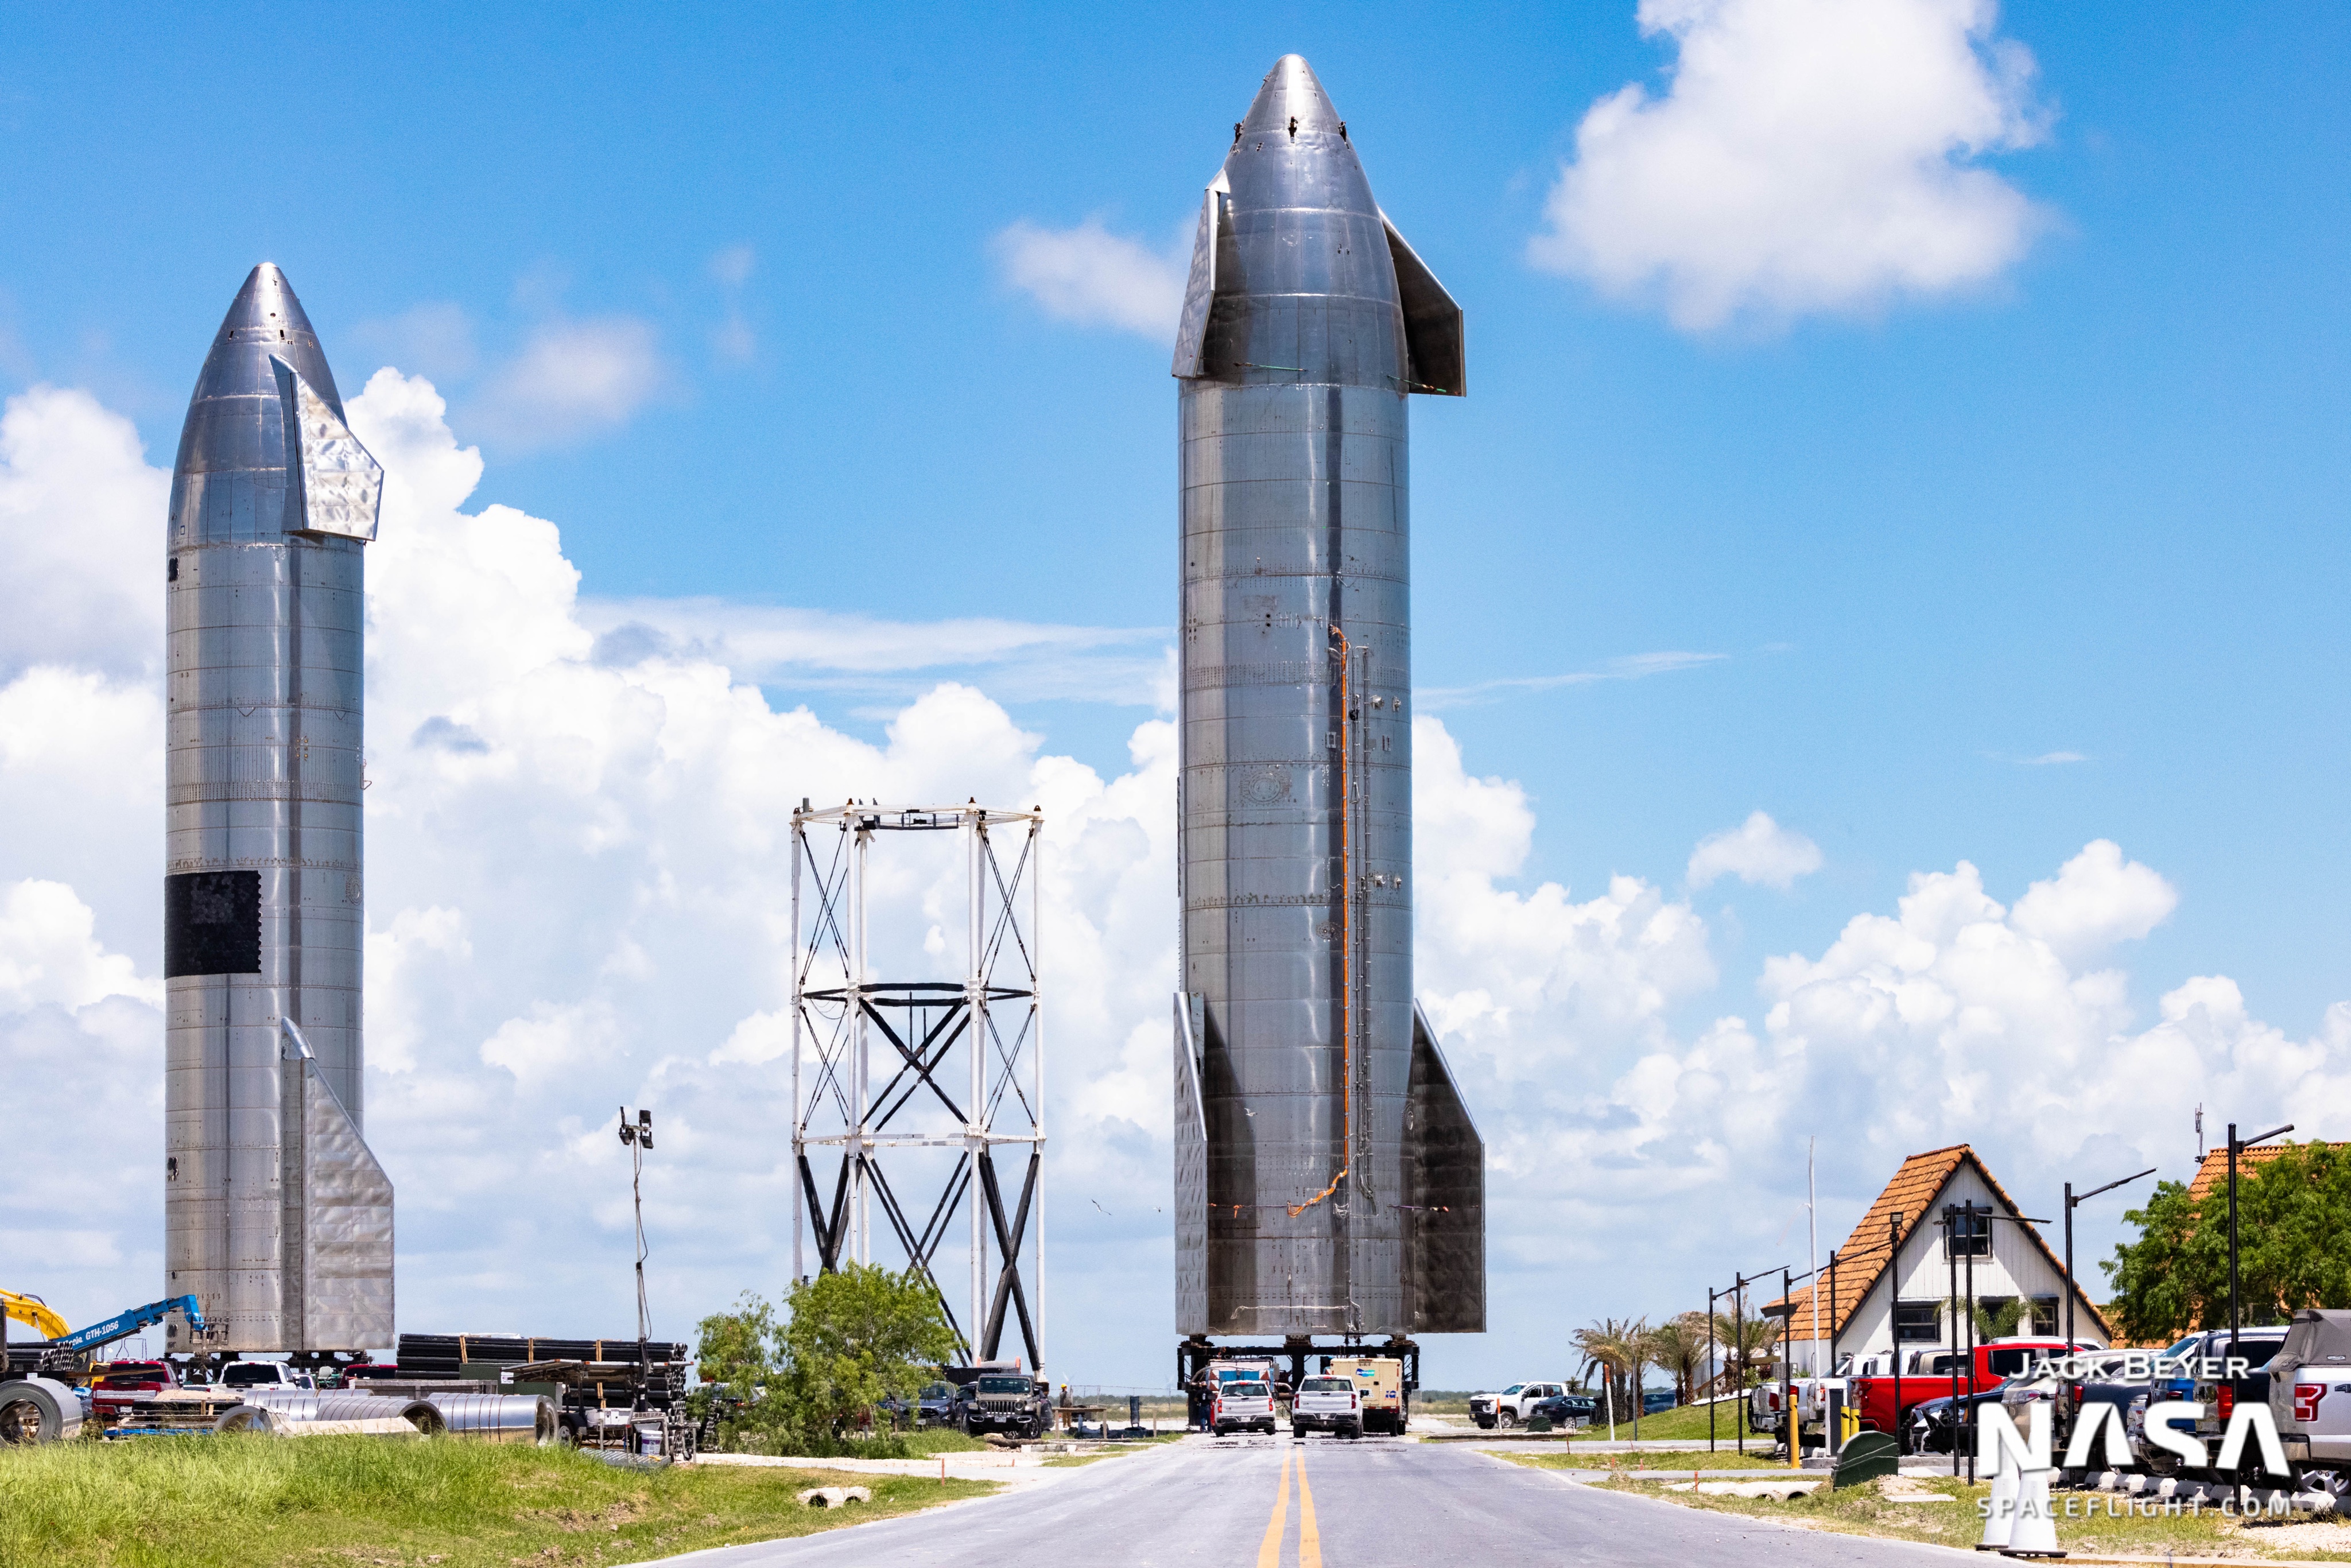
[1864,1510]
[919,1445]
[1700,1459]
[339,1502]
[1688,1421]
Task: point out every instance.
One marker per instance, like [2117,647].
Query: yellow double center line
[1310,1538]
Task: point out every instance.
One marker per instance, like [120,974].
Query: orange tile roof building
[1893,1277]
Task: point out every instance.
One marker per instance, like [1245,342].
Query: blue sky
[2087,505]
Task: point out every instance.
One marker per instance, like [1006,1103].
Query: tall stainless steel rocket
[277,1216]
[1328,1178]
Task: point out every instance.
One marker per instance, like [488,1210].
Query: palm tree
[1678,1345]
[1617,1346]
[1746,1343]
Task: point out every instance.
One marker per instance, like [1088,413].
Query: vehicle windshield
[250,1374]
[1245,1391]
[1325,1385]
[1004,1385]
[2185,1348]
[1513,1388]
[937,1391]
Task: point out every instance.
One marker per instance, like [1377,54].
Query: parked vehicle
[114,1387]
[1927,1374]
[1242,1403]
[1004,1401]
[1566,1409]
[2219,1396]
[1511,1406]
[932,1405]
[2309,1398]
[1328,1404]
[1936,1424]
[265,1374]
[1379,1380]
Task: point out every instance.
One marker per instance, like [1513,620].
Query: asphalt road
[1239,1503]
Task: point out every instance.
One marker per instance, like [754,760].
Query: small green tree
[733,1360]
[856,1337]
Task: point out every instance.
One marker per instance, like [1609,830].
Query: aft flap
[1200,288]
[1436,359]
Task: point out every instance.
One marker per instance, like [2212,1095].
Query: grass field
[268,1502]
[1687,1422]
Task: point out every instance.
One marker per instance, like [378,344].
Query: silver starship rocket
[277,1216]
[1328,1177]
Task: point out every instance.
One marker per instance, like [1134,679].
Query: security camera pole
[639,1136]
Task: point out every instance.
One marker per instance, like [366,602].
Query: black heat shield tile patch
[212,924]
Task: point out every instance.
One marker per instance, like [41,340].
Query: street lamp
[2072,1289]
[639,1135]
[2237,1146]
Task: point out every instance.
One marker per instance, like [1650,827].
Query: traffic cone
[2035,1530]
[2001,1520]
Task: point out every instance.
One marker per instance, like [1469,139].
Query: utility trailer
[616,1393]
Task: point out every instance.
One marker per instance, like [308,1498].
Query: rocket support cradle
[1328,1178]
[277,1218]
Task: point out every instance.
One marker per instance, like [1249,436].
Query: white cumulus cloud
[83,517]
[1807,156]
[1758,851]
[1093,278]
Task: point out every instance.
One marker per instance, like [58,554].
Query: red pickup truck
[1928,1375]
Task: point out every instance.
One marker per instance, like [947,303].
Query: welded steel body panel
[263,874]
[1295,353]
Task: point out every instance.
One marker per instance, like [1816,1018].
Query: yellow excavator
[34,1313]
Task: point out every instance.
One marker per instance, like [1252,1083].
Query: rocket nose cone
[264,322]
[266,301]
[1290,100]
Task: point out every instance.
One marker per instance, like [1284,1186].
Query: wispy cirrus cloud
[1629,667]
[836,651]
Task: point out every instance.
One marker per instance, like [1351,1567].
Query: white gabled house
[1894,1275]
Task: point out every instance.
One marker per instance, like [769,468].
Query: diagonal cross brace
[918,1260]
[827,1236]
[918,1061]
[1008,1242]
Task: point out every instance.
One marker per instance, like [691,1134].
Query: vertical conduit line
[1347,933]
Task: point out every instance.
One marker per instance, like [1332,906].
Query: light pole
[2071,1289]
[1894,1319]
[1714,1373]
[639,1136]
[2237,1146]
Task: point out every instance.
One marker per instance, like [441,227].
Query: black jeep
[1004,1401]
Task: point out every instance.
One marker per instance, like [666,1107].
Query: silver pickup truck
[2310,1399]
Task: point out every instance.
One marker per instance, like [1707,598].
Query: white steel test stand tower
[898,1065]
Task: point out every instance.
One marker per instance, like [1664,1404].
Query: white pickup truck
[2310,1399]
[1510,1408]
[1327,1404]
